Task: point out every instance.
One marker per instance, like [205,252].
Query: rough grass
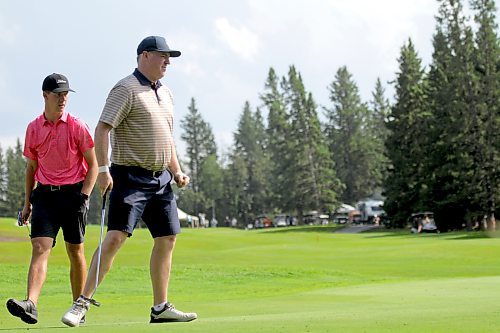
[302,279]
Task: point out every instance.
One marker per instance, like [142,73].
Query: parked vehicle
[423,222]
[354,216]
[313,217]
[341,214]
[263,221]
[280,220]
[371,208]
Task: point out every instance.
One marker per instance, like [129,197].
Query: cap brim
[174,53]
[171,53]
[58,90]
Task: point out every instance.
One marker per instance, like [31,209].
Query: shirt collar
[143,80]
[63,118]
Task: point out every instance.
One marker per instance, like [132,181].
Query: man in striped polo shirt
[138,116]
[61,162]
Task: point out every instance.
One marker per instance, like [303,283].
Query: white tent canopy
[345,208]
[183,216]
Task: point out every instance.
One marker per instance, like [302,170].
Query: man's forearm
[101,138]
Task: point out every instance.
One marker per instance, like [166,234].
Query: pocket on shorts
[34,196]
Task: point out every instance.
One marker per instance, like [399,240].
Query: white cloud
[240,40]
[191,69]
[8,32]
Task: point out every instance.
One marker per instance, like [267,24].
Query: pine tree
[200,144]
[16,166]
[378,131]
[350,139]
[234,195]
[487,123]
[279,136]
[313,184]
[250,144]
[211,186]
[408,126]
[3,185]
[453,98]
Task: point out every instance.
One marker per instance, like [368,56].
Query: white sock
[160,306]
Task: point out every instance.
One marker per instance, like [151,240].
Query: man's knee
[41,245]
[165,242]
[114,240]
[75,251]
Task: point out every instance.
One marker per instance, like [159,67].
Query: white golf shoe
[73,317]
[170,314]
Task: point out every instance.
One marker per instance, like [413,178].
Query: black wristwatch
[84,196]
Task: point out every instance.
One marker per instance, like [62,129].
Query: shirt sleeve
[117,106]
[86,141]
[29,144]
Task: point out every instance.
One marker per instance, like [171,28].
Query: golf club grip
[104,198]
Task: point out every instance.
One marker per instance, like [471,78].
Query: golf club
[103,216]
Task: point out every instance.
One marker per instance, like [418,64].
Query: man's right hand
[105,182]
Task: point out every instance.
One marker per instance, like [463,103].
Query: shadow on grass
[453,235]
[29,328]
[473,235]
[305,228]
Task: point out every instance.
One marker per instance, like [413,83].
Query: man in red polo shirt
[61,162]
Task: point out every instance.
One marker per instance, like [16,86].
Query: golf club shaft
[99,251]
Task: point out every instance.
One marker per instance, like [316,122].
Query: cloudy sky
[227,49]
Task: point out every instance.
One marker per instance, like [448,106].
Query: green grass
[302,279]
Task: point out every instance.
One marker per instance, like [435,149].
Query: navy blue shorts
[138,193]
[59,209]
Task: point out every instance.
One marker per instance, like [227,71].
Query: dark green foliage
[311,175]
[3,185]
[200,145]
[352,137]
[250,141]
[406,142]
[16,166]
[279,135]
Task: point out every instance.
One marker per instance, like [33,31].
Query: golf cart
[423,222]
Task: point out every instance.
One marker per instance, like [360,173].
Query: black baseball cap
[156,43]
[56,83]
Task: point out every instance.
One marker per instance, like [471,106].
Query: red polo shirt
[58,148]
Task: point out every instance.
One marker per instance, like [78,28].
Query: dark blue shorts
[138,193]
[59,209]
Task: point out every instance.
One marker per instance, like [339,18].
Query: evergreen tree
[350,139]
[408,125]
[16,166]
[200,144]
[3,184]
[487,123]
[211,186]
[313,184]
[378,131]
[236,204]
[250,144]
[453,97]
[279,137]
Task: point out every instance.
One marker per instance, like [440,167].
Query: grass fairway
[303,279]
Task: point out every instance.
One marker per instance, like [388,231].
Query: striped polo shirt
[141,115]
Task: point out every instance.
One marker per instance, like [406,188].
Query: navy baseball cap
[156,43]
[56,83]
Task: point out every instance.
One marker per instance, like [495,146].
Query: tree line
[434,147]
